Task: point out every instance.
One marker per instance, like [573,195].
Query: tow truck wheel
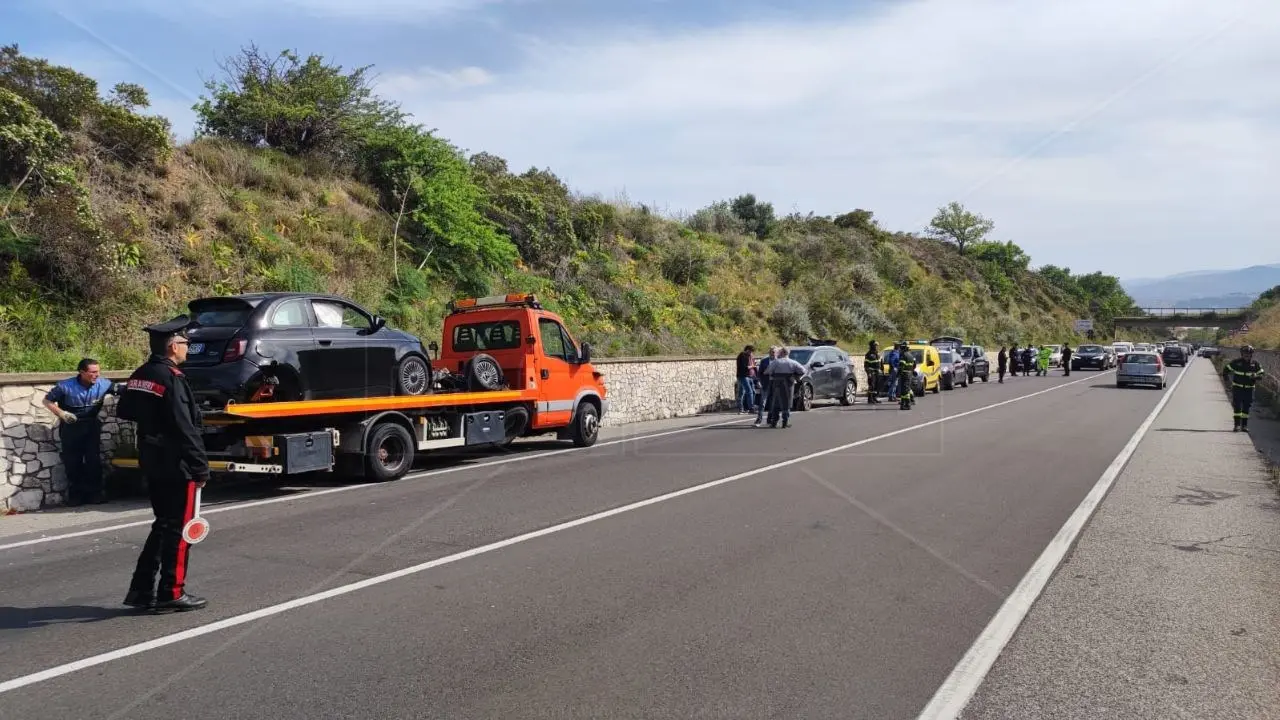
[388,453]
[586,425]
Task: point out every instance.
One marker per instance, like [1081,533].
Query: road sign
[1084,325]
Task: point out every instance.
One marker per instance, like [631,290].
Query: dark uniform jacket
[1242,373]
[158,398]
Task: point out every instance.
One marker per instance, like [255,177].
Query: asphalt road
[833,571]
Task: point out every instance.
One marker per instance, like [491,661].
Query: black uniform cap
[161,332]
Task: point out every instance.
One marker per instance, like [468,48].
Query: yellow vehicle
[928,369]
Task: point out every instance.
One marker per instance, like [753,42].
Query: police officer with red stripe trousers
[172,459]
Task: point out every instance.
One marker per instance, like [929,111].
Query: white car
[1055,355]
[1140,368]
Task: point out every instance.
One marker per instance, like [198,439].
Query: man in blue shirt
[892,360]
[77,401]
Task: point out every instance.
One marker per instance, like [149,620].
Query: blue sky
[1140,138]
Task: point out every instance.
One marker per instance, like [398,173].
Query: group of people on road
[1011,361]
[778,375]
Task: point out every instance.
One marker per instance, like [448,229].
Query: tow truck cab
[533,350]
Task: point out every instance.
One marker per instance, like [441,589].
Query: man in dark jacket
[1243,372]
[746,382]
[871,364]
[1002,362]
[1028,357]
[172,459]
[1066,359]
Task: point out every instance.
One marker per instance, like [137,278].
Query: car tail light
[235,349]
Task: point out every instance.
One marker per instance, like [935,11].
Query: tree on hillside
[954,224]
[292,104]
[758,217]
[863,220]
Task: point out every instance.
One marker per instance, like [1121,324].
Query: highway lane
[847,584]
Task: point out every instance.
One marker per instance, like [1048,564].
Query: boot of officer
[172,459]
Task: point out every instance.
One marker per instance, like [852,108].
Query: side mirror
[585,355]
[817,365]
[434,347]
[530,340]
[378,323]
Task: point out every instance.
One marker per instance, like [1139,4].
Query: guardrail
[1192,312]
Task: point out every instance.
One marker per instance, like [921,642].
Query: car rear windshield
[946,356]
[497,335]
[1139,359]
[220,313]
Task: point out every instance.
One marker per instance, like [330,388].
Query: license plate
[197,348]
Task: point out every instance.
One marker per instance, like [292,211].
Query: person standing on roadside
[172,458]
[891,359]
[871,365]
[746,382]
[762,402]
[783,373]
[1066,359]
[1027,356]
[77,402]
[1002,362]
[1243,372]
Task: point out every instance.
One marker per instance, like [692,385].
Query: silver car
[1141,368]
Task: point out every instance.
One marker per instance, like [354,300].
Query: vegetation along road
[106,225]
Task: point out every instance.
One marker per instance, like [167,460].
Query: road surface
[837,569]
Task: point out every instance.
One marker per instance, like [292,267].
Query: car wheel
[850,392]
[586,425]
[389,452]
[937,388]
[413,376]
[805,401]
[484,373]
[986,375]
[947,382]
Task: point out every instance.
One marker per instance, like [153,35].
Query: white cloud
[1169,132]
[431,80]
[402,11]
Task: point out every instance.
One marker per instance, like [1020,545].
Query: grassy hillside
[1264,329]
[105,226]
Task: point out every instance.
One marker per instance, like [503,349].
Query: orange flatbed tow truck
[508,369]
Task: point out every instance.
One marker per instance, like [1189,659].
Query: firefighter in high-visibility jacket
[871,364]
[906,377]
[1243,372]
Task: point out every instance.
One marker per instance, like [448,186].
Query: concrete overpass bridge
[1169,318]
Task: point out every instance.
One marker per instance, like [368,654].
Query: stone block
[7,491]
[16,406]
[30,481]
[27,500]
[17,430]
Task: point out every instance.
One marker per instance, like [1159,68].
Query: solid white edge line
[968,675]
[223,624]
[365,486]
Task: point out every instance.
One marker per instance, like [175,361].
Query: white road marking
[963,682]
[210,510]
[230,622]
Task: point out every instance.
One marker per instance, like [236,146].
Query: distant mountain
[1206,288]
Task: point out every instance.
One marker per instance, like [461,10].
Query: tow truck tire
[389,452]
[484,372]
[586,425]
[516,421]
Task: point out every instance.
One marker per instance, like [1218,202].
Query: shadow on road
[16,618]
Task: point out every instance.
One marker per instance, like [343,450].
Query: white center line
[349,488]
[233,621]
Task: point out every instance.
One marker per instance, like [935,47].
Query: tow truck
[508,369]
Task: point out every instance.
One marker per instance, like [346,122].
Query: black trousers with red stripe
[173,500]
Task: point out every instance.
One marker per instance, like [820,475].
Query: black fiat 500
[298,346]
